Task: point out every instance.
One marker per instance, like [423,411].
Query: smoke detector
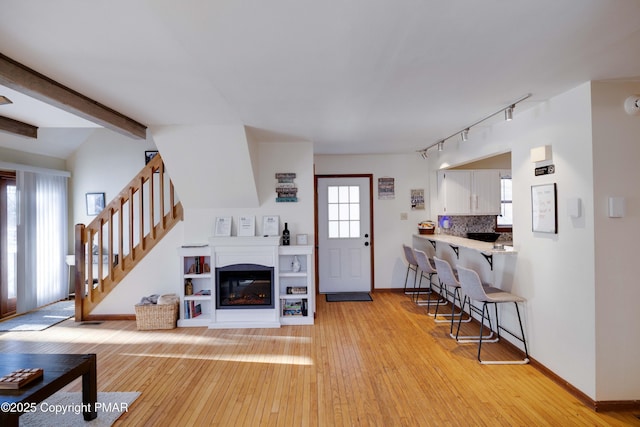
[632,105]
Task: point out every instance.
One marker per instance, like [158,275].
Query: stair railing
[124,232]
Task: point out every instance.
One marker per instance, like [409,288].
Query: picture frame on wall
[95,203]
[148,155]
[544,208]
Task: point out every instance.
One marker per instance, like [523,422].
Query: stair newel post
[80,248]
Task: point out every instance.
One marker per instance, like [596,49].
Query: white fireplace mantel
[245,241]
[246,250]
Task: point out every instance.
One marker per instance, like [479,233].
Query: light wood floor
[380,363]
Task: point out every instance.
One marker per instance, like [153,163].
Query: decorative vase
[295,265]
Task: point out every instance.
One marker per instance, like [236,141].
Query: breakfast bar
[494,262]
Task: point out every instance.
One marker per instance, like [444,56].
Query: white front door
[344,234]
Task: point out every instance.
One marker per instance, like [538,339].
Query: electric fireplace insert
[245,286]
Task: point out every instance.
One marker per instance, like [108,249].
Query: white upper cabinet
[469,192]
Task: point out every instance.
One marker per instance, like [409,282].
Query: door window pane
[343,211]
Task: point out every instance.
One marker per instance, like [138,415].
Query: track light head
[508,113]
[465,134]
[423,154]
[441,146]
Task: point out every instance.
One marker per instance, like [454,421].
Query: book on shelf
[199,266]
[203,292]
[191,309]
[293,290]
[294,307]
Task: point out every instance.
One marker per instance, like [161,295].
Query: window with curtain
[42,239]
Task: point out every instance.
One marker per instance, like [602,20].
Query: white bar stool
[473,288]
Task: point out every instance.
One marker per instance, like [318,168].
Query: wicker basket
[156,316]
[425,230]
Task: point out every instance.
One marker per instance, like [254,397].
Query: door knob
[366,243]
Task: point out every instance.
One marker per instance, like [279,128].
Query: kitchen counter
[483,247]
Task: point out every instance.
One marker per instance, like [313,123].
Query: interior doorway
[8,243]
[344,233]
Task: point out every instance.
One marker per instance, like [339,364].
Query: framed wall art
[544,210]
[222,226]
[95,203]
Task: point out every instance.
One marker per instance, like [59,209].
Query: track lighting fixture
[508,113]
[508,116]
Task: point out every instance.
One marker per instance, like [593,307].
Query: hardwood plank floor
[380,363]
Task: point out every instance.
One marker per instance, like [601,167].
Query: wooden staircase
[124,232]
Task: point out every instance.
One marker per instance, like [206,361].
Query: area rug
[349,296]
[65,409]
[40,319]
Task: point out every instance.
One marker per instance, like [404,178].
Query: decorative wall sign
[545,170]
[544,216]
[417,199]
[286,188]
[386,188]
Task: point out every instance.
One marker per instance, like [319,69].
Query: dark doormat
[349,296]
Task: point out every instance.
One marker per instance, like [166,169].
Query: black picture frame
[148,155]
[544,208]
[95,203]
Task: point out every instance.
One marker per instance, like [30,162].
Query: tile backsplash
[463,224]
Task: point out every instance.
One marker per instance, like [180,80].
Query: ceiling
[353,76]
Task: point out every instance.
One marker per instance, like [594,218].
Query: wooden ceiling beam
[18,128]
[25,80]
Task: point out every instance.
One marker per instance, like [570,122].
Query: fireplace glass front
[244,286]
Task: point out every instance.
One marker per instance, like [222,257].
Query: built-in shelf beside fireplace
[247,282]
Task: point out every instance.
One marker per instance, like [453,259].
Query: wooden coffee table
[59,370]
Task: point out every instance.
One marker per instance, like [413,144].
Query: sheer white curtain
[42,239]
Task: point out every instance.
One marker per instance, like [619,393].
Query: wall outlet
[404,216]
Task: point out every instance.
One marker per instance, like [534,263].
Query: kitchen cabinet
[469,192]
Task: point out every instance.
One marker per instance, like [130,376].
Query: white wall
[616,153]
[210,164]
[93,165]
[273,157]
[24,158]
[105,163]
[390,232]
[579,324]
